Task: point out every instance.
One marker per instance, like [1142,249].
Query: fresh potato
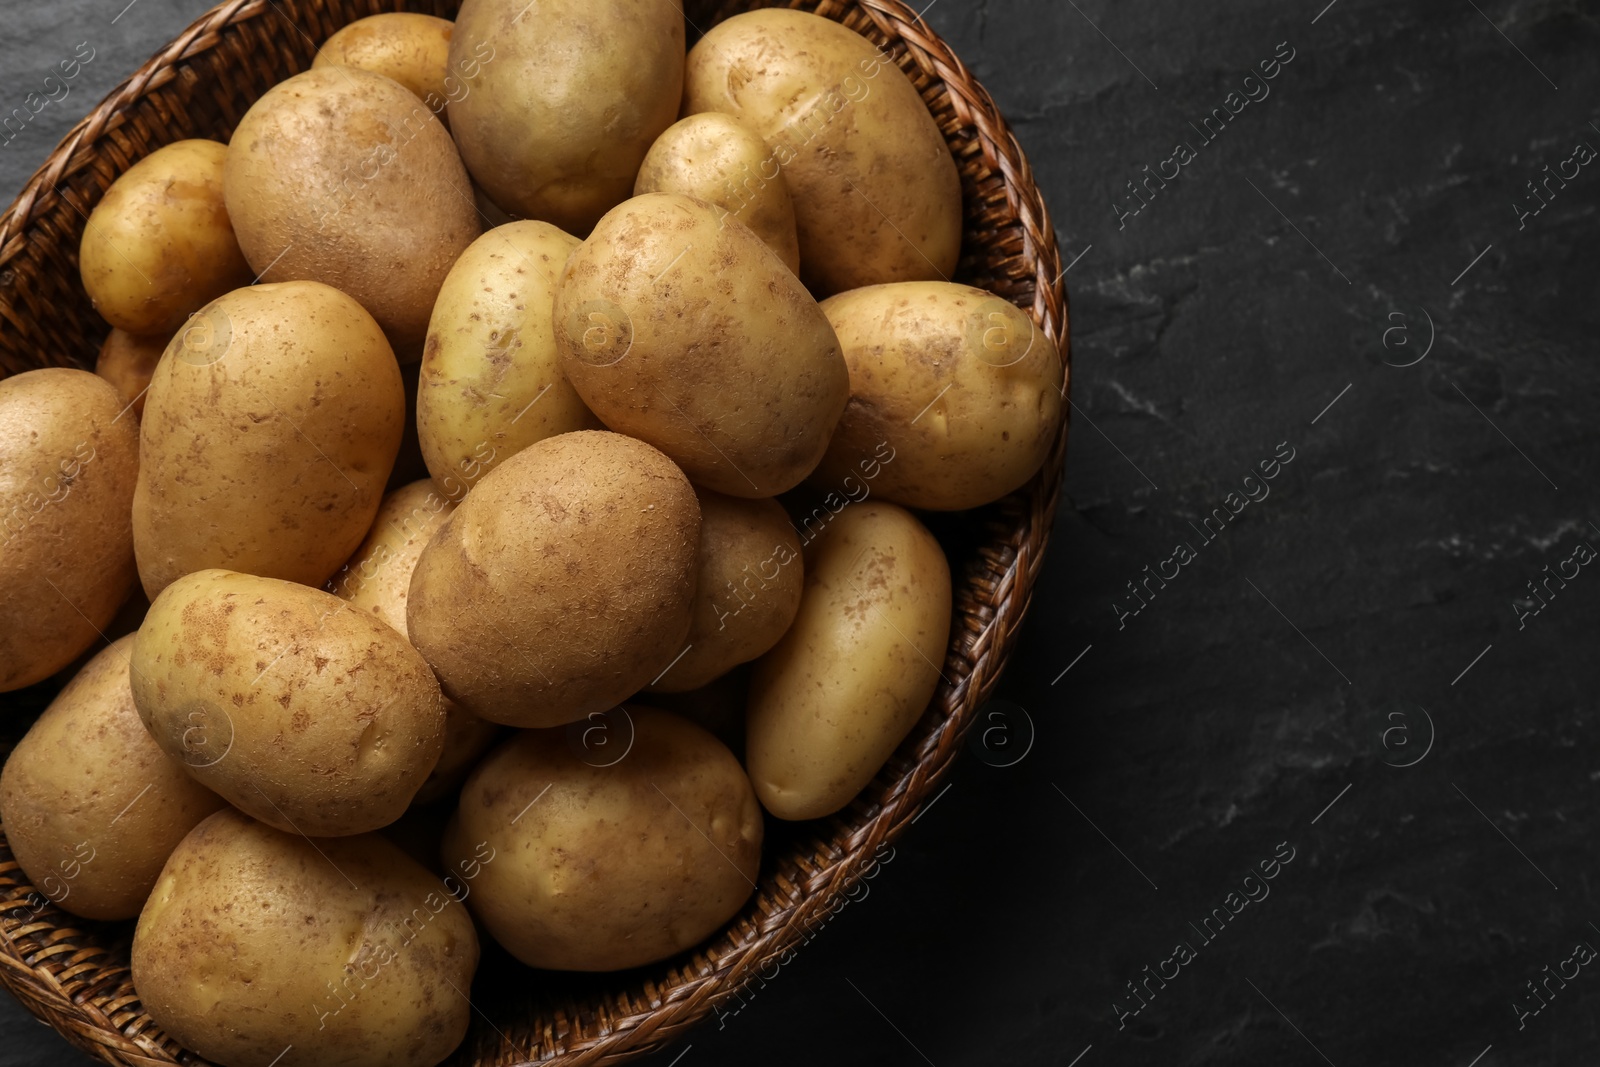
[564,145]
[562,584]
[492,382]
[342,176]
[257,941]
[412,49]
[875,189]
[301,710]
[693,336]
[378,580]
[92,807]
[853,675]
[715,158]
[297,399]
[68,464]
[159,245]
[747,588]
[127,362]
[961,382]
[626,861]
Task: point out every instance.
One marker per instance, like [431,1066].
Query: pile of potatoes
[516,419]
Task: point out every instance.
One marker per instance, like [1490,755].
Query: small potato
[492,382]
[68,466]
[412,49]
[159,245]
[713,157]
[693,336]
[127,362]
[562,584]
[346,951]
[300,710]
[747,588]
[876,194]
[296,403]
[608,861]
[853,675]
[961,382]
[92,806]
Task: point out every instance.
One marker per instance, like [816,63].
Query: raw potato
[961,382]
[875,189]
[342,176]
[412,49]
[606,865]
[693,336]
[492,382]
[68,466]
[296,399]
[555,127]
[378,580]
[92,807]
[563,583]
[853,675]
[300,710]
[347,950]
[127,362]
[159,245]
[747,588]
[717,159]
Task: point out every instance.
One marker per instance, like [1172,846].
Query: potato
[412,49]
[564,145]
[92,807]
[623,863]
[961,382]
[256,941]
[342,176]
[562,584]
[853,675]
[269,430]
[159,245]
[692,335]
[747,588]
[301,710]
[127,362]
[715,158]
[68,463]
[378,579]
[492,382]
[875,189]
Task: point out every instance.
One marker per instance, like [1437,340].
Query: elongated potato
[875,189]
[92,806]
[854,673]
[300,710]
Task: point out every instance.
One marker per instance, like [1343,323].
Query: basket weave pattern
[74,975]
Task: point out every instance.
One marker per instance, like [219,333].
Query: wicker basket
[73,974]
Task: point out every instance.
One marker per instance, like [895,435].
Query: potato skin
[298,400]
[564,146]
[411,49]
[962,381]
[688,332]
[127,362]
[160,245]
[562,584]
[855,672]
[747,588]
[297,708]
[347,949]
[492,382]
[68,465]
[342,176]
[715,158]
[619,864]
[87,776]
[876,194]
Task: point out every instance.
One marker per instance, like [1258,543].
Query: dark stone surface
[1255,690]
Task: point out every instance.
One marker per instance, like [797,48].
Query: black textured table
[1311,675]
